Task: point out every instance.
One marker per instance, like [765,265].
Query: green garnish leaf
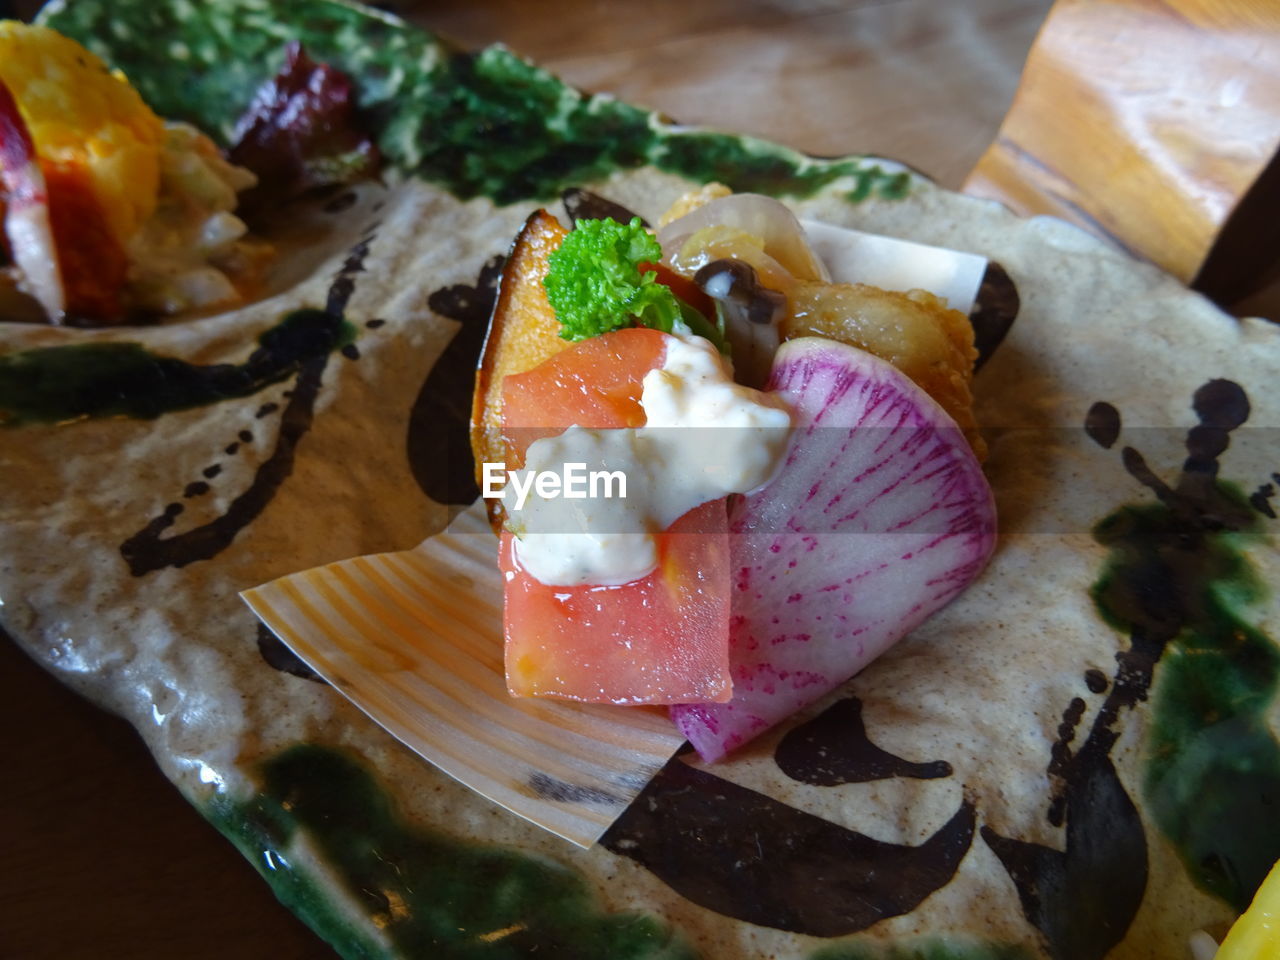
[595,285]
[700,325]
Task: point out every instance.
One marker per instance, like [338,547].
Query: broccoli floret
[595,285]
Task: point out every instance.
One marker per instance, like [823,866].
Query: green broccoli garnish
[595,285]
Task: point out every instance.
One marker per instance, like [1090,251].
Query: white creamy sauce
[704,437]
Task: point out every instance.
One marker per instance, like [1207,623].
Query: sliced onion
[758,216]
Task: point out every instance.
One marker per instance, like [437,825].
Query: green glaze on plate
[760,167]
[124,379]
[429,894]
[430,103]
[214,56]
[1212,761]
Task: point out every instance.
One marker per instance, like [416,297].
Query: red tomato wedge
[658,640]
[682,287]
[595,383]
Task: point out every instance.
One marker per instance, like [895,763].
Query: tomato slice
[682,287]
[595,383]
[657,640]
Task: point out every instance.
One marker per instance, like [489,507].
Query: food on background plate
[945,801]
[878,516]
[113,215]
[110,210]
[302,132]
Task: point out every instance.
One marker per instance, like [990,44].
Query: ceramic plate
[1076,759]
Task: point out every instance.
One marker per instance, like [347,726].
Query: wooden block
[1147,123]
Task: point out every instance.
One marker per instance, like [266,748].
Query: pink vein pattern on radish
[879,517]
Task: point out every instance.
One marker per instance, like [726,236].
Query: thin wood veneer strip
[415,641]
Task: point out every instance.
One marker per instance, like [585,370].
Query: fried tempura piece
[915,331]
[691,201]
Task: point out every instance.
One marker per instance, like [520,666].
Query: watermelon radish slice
[880,516]
[26,210]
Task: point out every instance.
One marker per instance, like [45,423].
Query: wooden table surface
[101,857]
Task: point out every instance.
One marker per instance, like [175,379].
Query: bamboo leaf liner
[414,639]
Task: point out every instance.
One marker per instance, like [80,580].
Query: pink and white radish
[26,211]
[879,516]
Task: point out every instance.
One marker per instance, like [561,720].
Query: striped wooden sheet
[414,639]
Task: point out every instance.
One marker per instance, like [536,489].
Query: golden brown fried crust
[523,331]
[691,201]
[915,331]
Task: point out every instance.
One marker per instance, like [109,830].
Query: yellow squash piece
[523,332]
[1256,935]
[87,122]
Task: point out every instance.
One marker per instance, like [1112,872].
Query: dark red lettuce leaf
[303,131]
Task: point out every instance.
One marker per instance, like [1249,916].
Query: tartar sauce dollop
[704,437]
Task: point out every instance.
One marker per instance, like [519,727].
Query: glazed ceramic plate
[1076,759]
